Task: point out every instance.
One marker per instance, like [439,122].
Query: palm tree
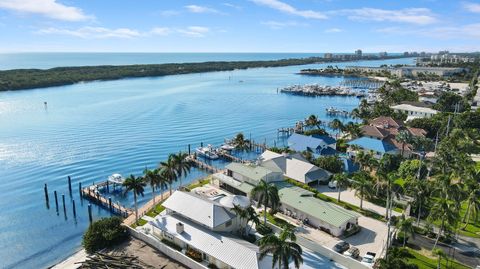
[419,189]
[151,177]
[353,129]
[342,182]
[336,125]
[241,143]
[267,195]
[162,181]
[444,211]
[182,165]
[137,185]
[472,200]
[362,184]
[440,254]
[253,218]
[283,248]
[406,227]
[242,214]
[313,121]
[403,137]
[168,170]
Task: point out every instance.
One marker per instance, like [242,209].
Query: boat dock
[92,193]
[226,155]
[202,165]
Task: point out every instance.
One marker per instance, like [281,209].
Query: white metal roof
[235,252]
[198,209]
[407,107]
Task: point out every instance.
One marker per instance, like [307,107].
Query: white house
[414,111]
[205,229]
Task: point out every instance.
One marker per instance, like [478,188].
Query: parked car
[332,184]
[352,252]
[369,258]
[341,246]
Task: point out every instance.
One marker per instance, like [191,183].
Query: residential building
[410,71]
[316,144]
[414,111]
[294,166]
[205,229]
[377,147]
[301,204]
[358,53]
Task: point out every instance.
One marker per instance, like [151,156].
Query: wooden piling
[189,149]
[108,187]
[56,200]
[201,144]
[64,208]
[70,185]
[74,210]
[110,203]
[90,213]
[45,189]
[80,189]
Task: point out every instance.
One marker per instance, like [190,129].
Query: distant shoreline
[23,79]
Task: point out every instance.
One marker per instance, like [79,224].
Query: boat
[227,147]
[208,152]
[116,179]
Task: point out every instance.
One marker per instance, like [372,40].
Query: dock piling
[90,213]
[108,187]
[189,150]
[201,144]
[64,208]
[70,185]
[45,189]
[56,200]
[74,210]
[110,204]
[80,189]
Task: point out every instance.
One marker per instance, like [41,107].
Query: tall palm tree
[182,165]
[403,137]
[242,214]
[283,248]
[241,143]
[162,181]
[252,218]
[406,227]
[137,186]
[169,171]
[419,190]
[313,121]
[444,211]
[362,184]
[267,195]
[151,177]
[472,201]
[342,182]
[353,129]
[336,125]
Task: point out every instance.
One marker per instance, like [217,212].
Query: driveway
[348,196]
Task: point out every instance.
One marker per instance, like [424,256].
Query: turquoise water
[92,130]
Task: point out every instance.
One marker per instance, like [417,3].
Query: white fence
[174,254]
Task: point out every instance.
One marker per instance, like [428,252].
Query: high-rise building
[383,54]
[328,56]
[358,53]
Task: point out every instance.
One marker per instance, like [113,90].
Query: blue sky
[239,25]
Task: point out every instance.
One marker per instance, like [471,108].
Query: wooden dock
[201,165]
[226,155]
[93,194]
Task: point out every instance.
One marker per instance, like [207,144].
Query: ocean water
[91,130]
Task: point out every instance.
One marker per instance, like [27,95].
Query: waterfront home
[387,128]
[204,230]
[316,144]
[408,71]
[294,166]
[414,111]
[377,147]
[301,204]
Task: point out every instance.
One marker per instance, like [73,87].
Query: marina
[319,90]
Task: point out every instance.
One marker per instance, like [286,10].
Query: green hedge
[103,233]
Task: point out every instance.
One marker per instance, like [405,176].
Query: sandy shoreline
[69,263]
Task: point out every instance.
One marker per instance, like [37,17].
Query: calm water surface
[92,130]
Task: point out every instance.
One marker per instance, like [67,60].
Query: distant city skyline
[329,26]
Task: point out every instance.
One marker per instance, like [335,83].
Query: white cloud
[200,9]
[471,7]
[93,32]
[333,30]
[281,25]
[420,16]
[48,8]
[286,8]
[194,31]
[232,6]
[163,31]
[169,13]
[470,31]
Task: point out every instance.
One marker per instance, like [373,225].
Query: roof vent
[179,228]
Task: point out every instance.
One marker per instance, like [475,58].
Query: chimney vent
[180,228]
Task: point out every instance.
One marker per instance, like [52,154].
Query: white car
[332,184]
[369,258]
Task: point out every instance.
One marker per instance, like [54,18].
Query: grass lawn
[473,227]
[277,221]
[141,222]
[424,262]
[198,183]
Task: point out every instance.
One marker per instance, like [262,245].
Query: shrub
[103,233]
[263,229]
[212,266]
[195,255]
[172,245]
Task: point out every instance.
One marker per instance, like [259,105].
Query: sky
[239,25]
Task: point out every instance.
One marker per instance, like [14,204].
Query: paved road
[455,251]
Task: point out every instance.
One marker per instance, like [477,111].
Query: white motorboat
[227,147]
[208,152]
[116,179]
